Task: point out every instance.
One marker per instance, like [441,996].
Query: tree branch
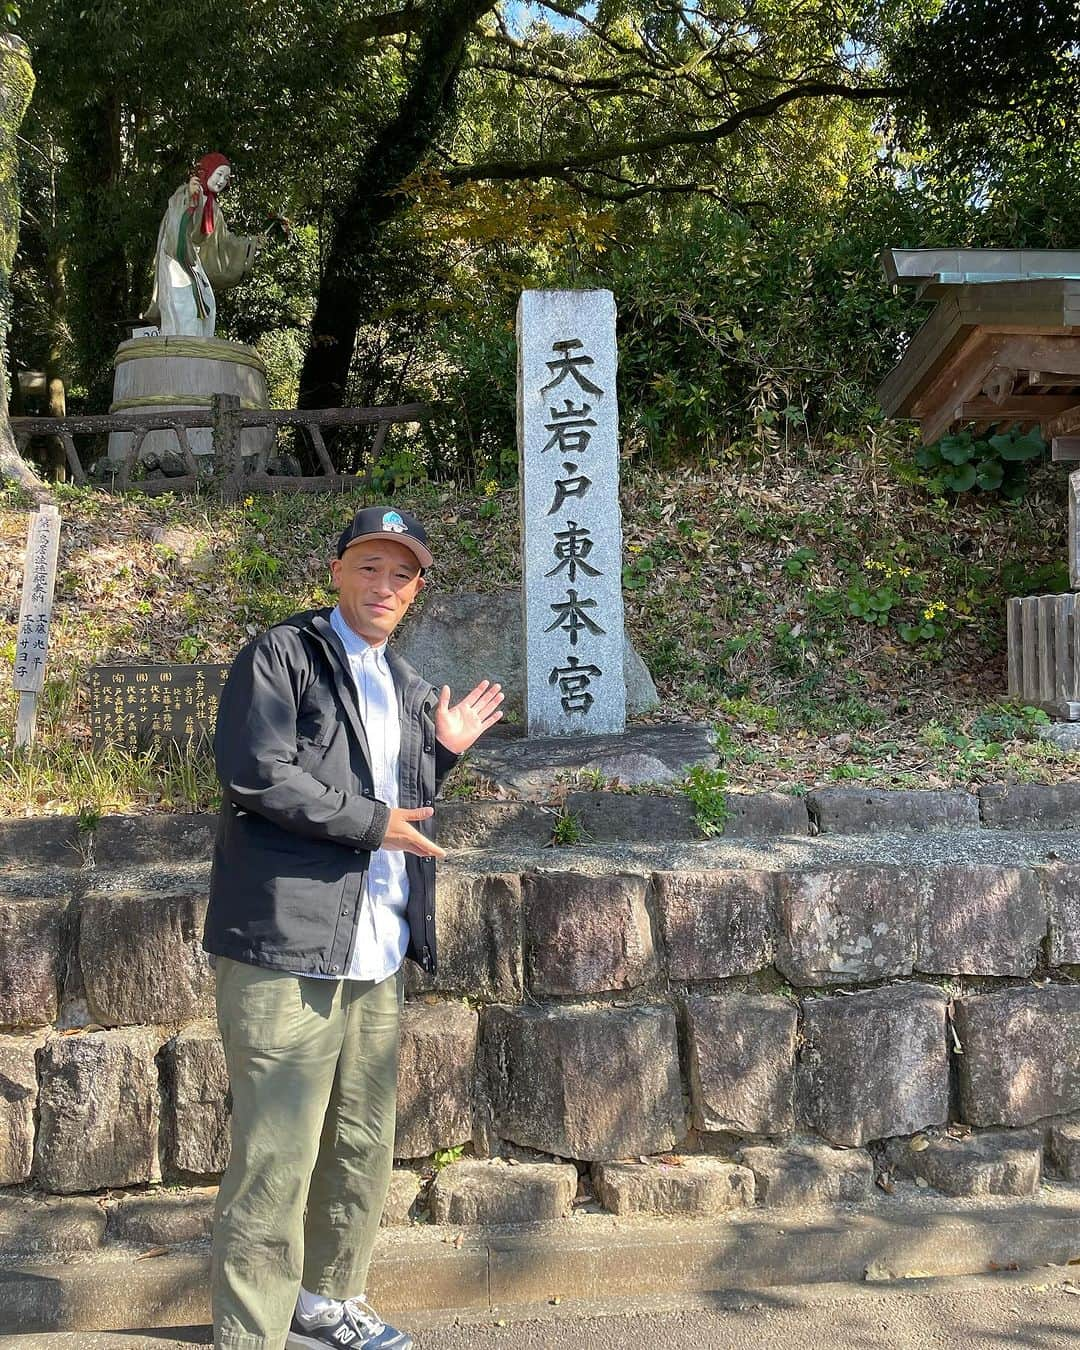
[556,166]
[408,20]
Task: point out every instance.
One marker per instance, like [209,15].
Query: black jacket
[299,817]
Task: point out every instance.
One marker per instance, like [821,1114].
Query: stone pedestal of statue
[160,375]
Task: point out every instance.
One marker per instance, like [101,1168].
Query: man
[330,750]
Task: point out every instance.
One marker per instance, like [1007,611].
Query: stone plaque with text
[568,448]
[147,707]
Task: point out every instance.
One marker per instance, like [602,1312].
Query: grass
[772,606]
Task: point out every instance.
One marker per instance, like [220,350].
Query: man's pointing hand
[401,836]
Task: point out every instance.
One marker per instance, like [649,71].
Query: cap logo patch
[392,521]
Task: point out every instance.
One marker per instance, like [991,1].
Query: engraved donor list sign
[568,447]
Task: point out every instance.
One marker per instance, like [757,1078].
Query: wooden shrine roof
[992,351]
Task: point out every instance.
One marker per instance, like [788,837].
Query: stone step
[53,851]
[175,1339]
[589,1257]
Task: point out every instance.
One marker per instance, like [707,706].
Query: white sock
[312,1305]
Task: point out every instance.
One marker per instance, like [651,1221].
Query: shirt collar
[355,645]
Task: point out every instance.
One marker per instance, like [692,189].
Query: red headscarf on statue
[203,171]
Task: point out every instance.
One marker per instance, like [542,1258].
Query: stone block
[98,1109]
[51,842]
[847,925]
[806,1173]
[496,1192]
[31,960]
[197,1102]
[1042,806]
[436,1075]
[1063,1148]
[623,817]
[998,1162]
[762,814]
[978,920]
[588,1083]
[586,934]
[18,1103]
[537,767]
[1063,895]
[716,924]
[874,1064]
[401,1197]
[1021,1054]
[142,841]
[741,1051]
[142,960]
[165,1219]
[478,935]
[695,1187]
[469,824]
[32,1225]
[879,810]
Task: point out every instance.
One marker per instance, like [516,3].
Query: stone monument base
[156,375]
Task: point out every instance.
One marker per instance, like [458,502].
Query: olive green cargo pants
[313,1072]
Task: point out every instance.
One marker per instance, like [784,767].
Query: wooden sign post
[35,615]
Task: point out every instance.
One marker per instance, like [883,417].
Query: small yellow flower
[249,501]
[491,487]
[928,613]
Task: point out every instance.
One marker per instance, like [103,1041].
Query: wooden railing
[233,473]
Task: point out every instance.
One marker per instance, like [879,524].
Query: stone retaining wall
[784,1032]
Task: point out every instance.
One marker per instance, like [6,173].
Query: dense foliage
[731,172]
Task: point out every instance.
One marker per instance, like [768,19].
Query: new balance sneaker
[352,1325]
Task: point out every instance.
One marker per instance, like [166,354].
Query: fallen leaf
[919,1144]
[153,1251]
[459,1240]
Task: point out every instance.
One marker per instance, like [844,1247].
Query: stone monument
[175,363]
[568,449]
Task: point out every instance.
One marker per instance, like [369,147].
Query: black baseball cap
[384,522]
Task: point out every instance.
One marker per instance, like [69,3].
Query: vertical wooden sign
[35,615]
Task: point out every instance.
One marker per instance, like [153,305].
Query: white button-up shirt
[382,930]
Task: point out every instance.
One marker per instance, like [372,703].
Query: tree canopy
[435,156]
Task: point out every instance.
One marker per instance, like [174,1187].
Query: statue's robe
[190,265]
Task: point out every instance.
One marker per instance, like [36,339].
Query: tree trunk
[55,393]
[16,88]
[397,152]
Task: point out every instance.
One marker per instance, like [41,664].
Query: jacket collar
[411,688]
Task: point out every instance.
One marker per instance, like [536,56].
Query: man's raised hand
[460,726]
[401,836]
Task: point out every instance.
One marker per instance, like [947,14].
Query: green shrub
[999,463]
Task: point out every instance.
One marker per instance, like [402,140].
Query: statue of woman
[196,254]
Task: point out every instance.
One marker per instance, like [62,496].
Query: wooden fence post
[228,460]
[35,615]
